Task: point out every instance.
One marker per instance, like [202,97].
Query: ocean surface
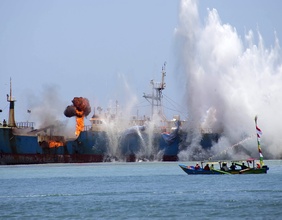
[145,190]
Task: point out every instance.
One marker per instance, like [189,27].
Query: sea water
[146,190]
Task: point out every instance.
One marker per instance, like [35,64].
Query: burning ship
[103,141]
[21,143]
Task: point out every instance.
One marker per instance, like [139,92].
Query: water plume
[228,81]
[124,128]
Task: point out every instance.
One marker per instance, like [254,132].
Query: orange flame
[53,144]
[79,125]
[80,109]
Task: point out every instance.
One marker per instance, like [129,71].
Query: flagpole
[258,140]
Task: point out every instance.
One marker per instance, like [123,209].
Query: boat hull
[191,171]
[18,147]
[14,159]
[28,149]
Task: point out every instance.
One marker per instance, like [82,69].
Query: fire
[53,144]
[79,113]
[79,125]
[80,109]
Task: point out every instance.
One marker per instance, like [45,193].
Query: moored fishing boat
[21,143]
[108,137]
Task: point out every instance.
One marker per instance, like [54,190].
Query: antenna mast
[155,99]
[11,122]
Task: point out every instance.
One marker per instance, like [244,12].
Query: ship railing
[87,127]
[25,124]
[51,138]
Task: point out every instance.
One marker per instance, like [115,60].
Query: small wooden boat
[220,167]
[248,166]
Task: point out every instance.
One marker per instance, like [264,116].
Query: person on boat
[243,166]
[258,166]
[197,167]
[233,166]
[207,167]
[212,167]
[224,167]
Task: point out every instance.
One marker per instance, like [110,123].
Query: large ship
[109,137]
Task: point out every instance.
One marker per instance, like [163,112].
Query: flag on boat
[260,155]
[259,132]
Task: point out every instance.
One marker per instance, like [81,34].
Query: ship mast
[155,99]
[11,122]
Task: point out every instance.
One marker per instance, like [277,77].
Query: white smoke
[47,109]
[229,80]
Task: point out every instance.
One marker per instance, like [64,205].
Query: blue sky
[104,50]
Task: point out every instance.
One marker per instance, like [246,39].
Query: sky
[102,50]
[108,51]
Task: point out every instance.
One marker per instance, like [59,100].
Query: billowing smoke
[228,81]
[80,107]
[45,108]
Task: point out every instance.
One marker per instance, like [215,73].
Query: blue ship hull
[25,149]
[89,146]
